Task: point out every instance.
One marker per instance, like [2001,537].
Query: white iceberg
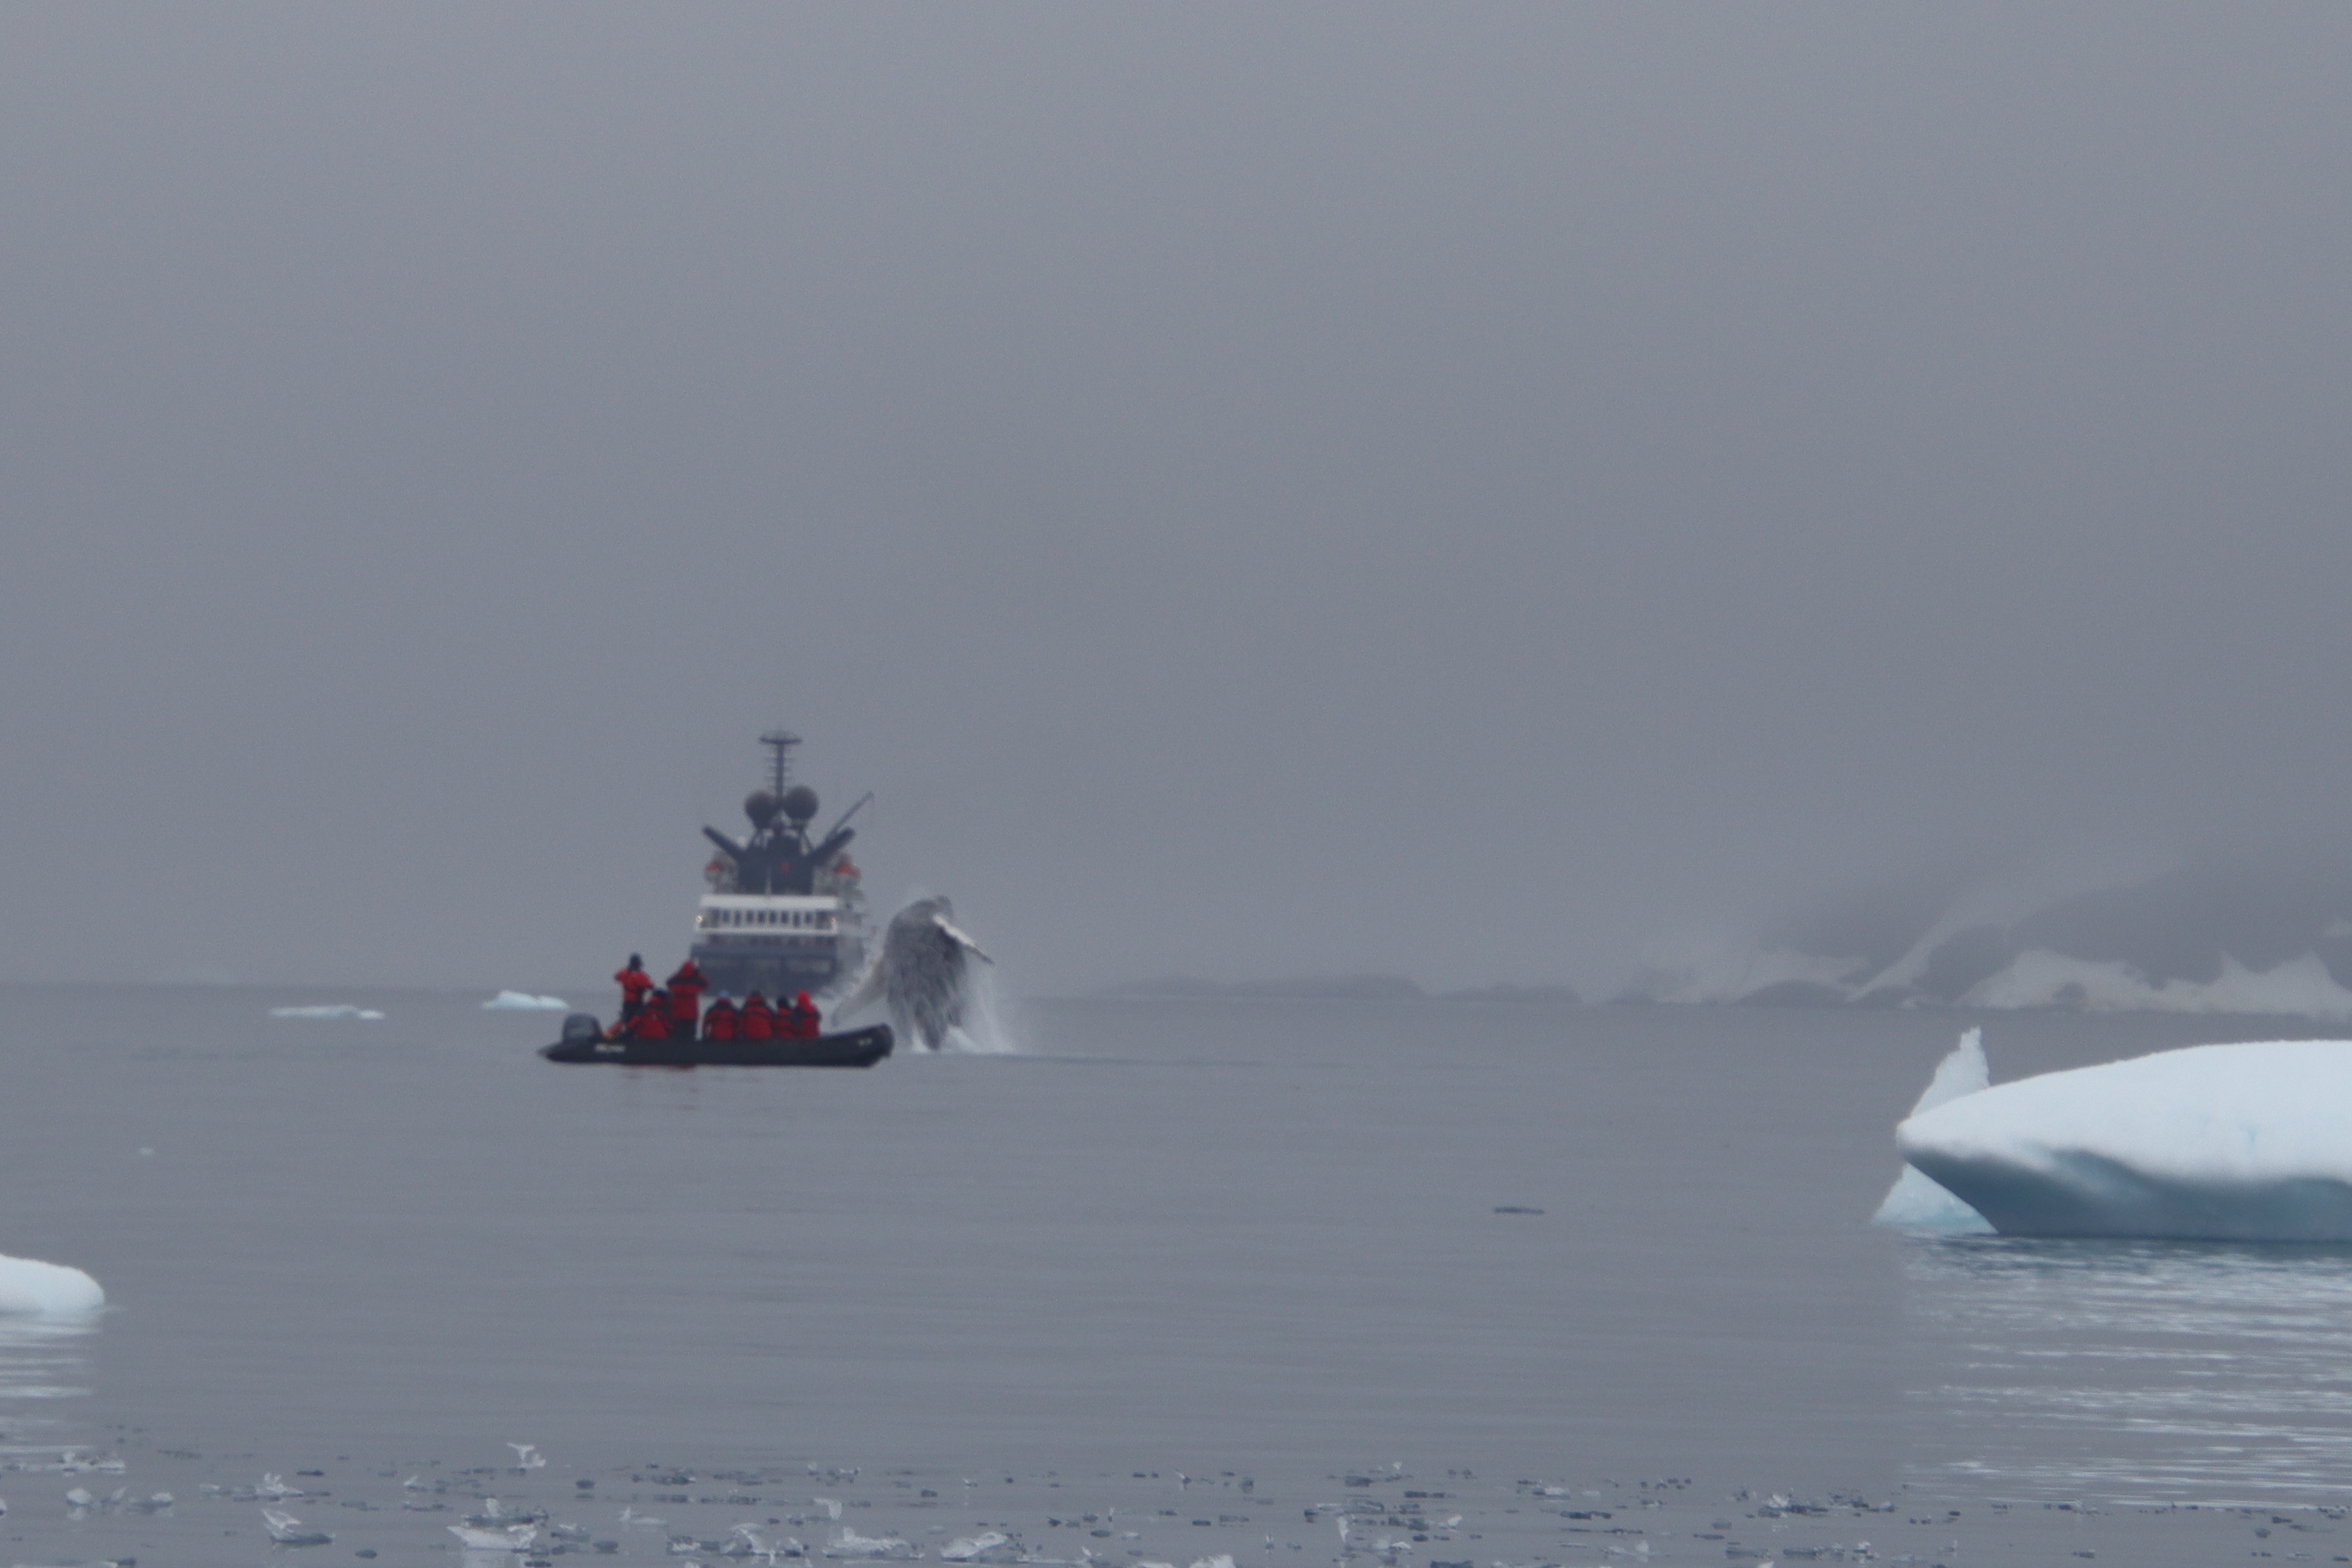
[340,1010]
[1914,1202]
[2214,1142]
[524,1001]
[28,1287]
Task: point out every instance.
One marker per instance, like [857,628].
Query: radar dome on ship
[761,806]
[799,803]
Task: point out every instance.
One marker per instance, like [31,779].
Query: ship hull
[815,968]
[853,1049]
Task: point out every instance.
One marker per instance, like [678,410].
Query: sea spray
[986,1030]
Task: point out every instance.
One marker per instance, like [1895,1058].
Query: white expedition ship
[785,911]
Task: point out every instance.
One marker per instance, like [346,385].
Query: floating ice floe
[288,1531]
[2243,1143]
[512,1538]
[340,1010]
[990,1546]
[1914,1202]
[848,1544]
[524,1001]
[29,1286]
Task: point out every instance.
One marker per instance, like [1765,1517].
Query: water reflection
[2130,1370]
[42,1360]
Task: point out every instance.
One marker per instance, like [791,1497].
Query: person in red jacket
[686,987]
[651,1022]
[634,983]
[757,1021]
[807,1022]
[719,1019]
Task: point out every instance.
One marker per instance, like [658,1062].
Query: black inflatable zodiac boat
[583,1041]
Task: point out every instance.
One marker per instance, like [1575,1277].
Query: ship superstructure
[785,911]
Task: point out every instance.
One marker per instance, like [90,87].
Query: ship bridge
[755,915]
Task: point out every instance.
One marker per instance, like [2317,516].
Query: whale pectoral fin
[966,943]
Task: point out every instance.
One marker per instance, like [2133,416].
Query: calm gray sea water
[1264,1238]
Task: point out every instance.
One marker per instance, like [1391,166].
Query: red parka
[757,1020]
[806,1022]
[651,1022]
[686,987]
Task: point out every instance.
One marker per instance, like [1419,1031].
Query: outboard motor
[582,1029]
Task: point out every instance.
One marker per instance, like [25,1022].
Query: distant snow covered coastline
[2272,940]
[1388,988]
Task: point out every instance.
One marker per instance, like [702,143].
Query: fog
[1471,492]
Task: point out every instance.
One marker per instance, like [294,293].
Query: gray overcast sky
[1470,491]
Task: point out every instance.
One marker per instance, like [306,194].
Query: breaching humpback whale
[921,975]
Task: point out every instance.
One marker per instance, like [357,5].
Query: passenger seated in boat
[651,1022]
[801,1021]
[685,1000]
[719,1019]
[756,1020]
[634,983]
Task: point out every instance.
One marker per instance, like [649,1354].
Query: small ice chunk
[512,1538]
[989,1546]
[338,1010]
[288,1531]
[524,1001]
[848,1544]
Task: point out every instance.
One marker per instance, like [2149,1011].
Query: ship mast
[780,772]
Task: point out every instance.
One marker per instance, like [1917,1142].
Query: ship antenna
[780,741]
